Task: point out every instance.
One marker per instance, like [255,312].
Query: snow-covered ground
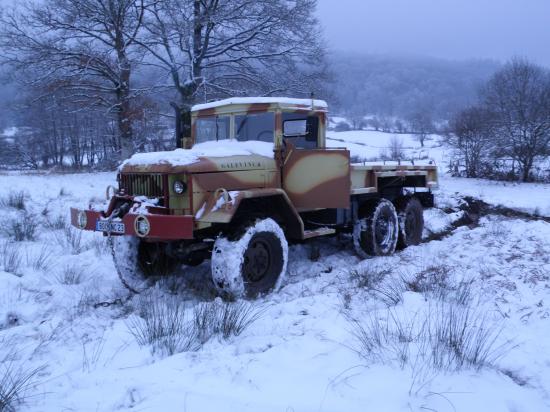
[302,354]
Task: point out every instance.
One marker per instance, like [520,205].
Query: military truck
[249,176]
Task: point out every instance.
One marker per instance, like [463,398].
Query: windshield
[259,126]
[212,129]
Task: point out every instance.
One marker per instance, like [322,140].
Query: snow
[184,157]
[261,100]
[300,355]
[9,132]
[371,145]
[525,197]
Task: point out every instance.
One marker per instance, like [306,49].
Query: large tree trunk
[124,108]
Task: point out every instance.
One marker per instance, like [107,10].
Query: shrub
[162,324]
[15,382]
[436,281]
[165,324]
[342,127]
[11,257]
[396,148]
[446,337]
[225,319]
[40,260]
[390,291]
[369,276]
[71,275]
[56,223]
[22,227]
[16,200]
[71,239]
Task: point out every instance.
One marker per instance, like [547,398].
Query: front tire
[139,263]
[376,233]
[253,264]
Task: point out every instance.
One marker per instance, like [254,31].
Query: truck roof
[248,103]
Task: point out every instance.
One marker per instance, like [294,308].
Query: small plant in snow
[15,382]
[56,223]
[165,324]
[71,239]
[390,291]
[10,258]
[445,337]
[225,319]
[16,200]
[369,276]
[71,275]
[22,227]
[40,261]
[63,192]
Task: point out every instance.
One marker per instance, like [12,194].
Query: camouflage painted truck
[251,175]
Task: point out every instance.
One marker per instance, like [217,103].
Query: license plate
[112,227]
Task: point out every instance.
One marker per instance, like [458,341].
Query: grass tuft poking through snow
[21,228]
[166,325]
[40,261]
[72,274]
[15,381]
[56,223]
[71,239]
[445,337]
[10,255]
[162,323]
[15,200]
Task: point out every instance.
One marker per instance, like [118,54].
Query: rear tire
[411,223]
[253,264]
[376,232]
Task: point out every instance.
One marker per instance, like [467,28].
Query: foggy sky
[452,29]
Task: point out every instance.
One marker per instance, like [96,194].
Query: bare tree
[84,46]
[396,148]
[519,94]
[422,125]
[473,136]
[212,48]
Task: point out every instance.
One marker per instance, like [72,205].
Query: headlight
[179,187]
[82,220]
[142,226]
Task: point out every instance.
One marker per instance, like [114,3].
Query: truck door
[313,177]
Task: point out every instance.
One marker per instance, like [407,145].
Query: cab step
[323,231]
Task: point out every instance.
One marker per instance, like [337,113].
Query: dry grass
[445,337]
[15,200]
[16,381]
[166,325]
[72,274]
[10,257]
[21,228]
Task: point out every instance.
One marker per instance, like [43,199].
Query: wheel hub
[257,260]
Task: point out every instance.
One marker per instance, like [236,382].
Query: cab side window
[301,130]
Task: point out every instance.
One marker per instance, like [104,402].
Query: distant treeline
[405,87]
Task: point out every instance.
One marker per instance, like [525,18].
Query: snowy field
[456,324]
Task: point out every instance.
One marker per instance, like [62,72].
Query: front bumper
[162,227]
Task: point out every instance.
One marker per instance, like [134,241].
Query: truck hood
[204,157]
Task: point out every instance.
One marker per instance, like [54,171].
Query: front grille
[137,184]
